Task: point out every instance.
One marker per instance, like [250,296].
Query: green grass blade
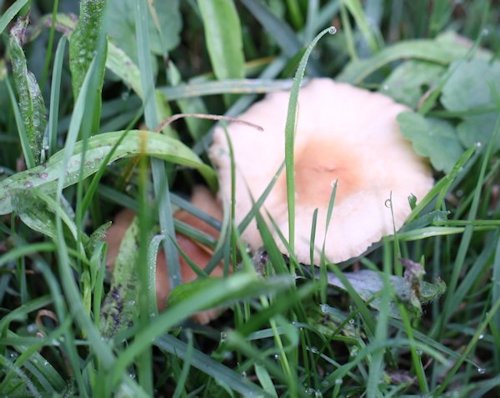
[209,366]
[355,8]
[160,176]
[214,292]
[279,30]
[11,13]
[291,121]
[223,37]
[55,97]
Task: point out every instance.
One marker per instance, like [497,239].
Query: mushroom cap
[344,134]
[198,254]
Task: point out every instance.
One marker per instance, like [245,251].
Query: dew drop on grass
[481,371]
[28,184]
[276,356]
[32,328]
[339,381]
[481,336]
[332,30]
[485,32]
[223,337]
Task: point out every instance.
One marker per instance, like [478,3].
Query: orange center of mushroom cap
[318,164]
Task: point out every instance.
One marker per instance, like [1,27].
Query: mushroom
[197,253]
[344,135]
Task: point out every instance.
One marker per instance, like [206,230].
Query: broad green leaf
[473,84]
[432,138]
[83,41]
[31,104]
[223,37]
[136,142]
[120,305]
[410,80]
[120,25]
[478,129]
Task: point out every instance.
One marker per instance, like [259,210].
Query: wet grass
[70,327]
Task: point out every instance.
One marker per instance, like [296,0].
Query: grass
[70,327]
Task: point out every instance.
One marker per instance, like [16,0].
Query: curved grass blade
[136,142]
[227,86]
[11,13]
[437,51]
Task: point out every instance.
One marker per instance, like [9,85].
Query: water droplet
[388,203]
[314,350]
[419,353]
[276,356]
[125,95]
[43,176]
[385,87]
[32,328]
[485,32]
[481,336]
[223,337]
[332,30]
[323,308]
[351,321]
[244,374]
[339,381]
[479,144]
[481,371]
[28,184]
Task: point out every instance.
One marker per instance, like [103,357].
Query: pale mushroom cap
[343,134]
